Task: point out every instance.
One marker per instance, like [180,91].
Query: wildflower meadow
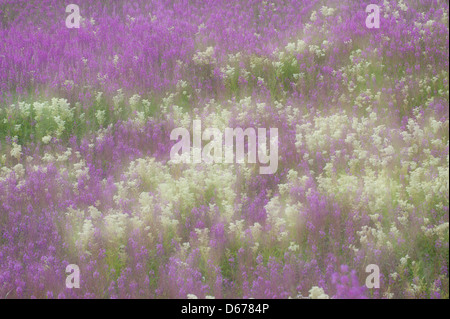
[224,149]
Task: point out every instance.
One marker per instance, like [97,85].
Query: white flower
[87,231]
[16,151]
[293,247]
[115,60]
[134,100]
[100,116]
[394,275]
[19,170]
[205,57]
[94,212]
[46,139]
[317,293]
[404,260]
[327,11]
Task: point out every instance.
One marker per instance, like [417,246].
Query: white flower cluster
[317,293]
[51,116]
[206,57]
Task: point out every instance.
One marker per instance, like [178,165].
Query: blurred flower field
[363,168]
